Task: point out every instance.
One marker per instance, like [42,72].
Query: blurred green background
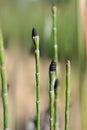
[18,17]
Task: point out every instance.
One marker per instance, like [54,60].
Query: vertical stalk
[67,95]
[35,38]
[56,86]
[4,84]
[52,70]
[54,18]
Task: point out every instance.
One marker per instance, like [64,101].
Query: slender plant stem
[56,91]
[51,96]
[56,107]
[56,112]
[36,42]
[4,83]
[51,93]
[54,18]
[67,95]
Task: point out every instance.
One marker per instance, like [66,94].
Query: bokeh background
[17,18]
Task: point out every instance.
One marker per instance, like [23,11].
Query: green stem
[52,70]
[4,83]
[51,98]
[37,59]
[56,112]
[37,87]
[67,95]
[54,18]
[56,108]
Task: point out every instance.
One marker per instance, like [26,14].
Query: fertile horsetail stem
[35,38]
[4,83]
[52,70]
[56,86]
[54,18]
[67,95]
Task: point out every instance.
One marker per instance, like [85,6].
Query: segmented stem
[67,95]
[56,115]
[52,71]
[51,98]
[56,91]
[4,84]
[37,59]
[56,111]
[54,18]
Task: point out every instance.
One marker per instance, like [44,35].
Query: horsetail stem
[54,10]
[52,70]
[4,83]
[67,95]
[35,38]
[56,116]
[56,86]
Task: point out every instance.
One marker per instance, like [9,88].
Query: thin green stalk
[52,71]
[56,91]
[67,104]
[36,43]
[4,84]
[54,18]
[56,108]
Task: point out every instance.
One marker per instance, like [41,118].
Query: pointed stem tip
[52,66]
[34,33]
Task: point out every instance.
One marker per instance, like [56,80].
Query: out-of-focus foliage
[18,17]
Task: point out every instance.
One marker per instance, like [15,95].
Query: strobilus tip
[52,66]
[34,33]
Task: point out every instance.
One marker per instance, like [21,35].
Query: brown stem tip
[52,66]
[34,33]
[56,84]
